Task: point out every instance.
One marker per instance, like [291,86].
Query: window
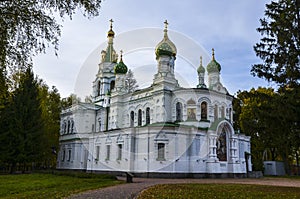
[63,127]
[72,126]
[69,126]
[222,147]
[69,155]
[107,152]
[140,117]
[148,115]
[112,85]
[216,112]
[230,112]
[120,146]
[178,111]
[222,112]
[63,155]
[131,119]
[203,111]
[98,88]
[97,153]
[160,151]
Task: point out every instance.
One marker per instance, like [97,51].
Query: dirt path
[131,190]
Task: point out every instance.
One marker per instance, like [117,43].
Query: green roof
[120,68]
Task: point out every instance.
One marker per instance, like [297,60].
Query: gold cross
[166,24]
[111,21]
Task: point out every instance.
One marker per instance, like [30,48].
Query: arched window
[230,112]
[131,119]
[112,85]
[216,112]
[72,127]
[69,126]
[98,88]
[178,111]
[140,117]
[222,147]
[203,111]
[147,115]
[64,127]
[222,112]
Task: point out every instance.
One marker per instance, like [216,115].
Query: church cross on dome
[166,24]
[111,22]
[121,55]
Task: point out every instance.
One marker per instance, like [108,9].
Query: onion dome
[213,65]
[166,46]
[111,33]
[121,68]
[201,69]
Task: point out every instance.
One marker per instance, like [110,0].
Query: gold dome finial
[111,33]
[200,60]
[213,54]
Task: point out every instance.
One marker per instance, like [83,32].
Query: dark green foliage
[51,107]
[29,124]
[23,124]
[272,120]
[27,27]
[279,47]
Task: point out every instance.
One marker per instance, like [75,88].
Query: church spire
[110,53]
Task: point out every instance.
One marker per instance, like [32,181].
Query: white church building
[163,130]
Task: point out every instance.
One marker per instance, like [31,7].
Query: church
[163,130]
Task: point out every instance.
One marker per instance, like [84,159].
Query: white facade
[162,129]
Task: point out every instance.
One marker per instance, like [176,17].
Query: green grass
[59,185]
[219,191]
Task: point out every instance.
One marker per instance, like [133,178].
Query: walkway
[131,190]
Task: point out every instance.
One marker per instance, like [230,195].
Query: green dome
[213,65]
[201,69]
[120,68]
[164,49]
[166,46]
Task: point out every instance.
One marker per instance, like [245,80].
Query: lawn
[219,191]
[51,186]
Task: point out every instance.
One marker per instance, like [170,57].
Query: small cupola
[213,66]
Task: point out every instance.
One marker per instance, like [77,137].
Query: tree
[69,101]
[279,47]
[130,82]
[22,138]
[259,120]
[27,27]
[51,108]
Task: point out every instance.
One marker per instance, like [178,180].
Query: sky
[195,27]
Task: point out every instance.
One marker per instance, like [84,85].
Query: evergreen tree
[279,47]
[4,101]
[130,82]
[23,136]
